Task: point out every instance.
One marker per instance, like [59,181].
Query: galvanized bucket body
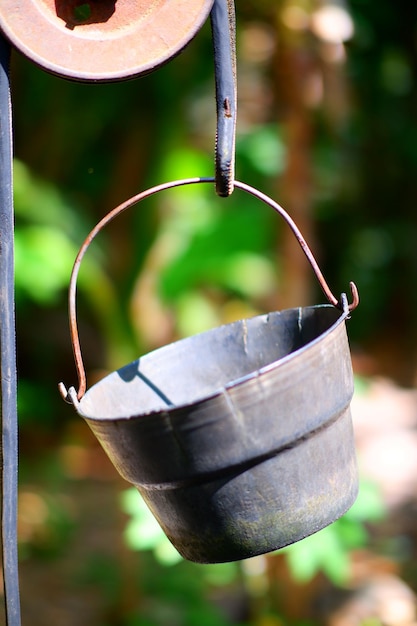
[239,439]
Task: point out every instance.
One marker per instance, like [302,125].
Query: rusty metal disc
[101,40]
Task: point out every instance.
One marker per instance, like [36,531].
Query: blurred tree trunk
[294,80]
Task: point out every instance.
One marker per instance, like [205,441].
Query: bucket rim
[218,392]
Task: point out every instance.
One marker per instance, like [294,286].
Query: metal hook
[223,24]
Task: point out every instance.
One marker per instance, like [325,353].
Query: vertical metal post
[8,351]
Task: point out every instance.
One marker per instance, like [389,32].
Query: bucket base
[273,503]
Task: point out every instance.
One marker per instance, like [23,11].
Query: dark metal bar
[223,24]
[8,351]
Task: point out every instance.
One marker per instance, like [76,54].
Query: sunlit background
[327,125]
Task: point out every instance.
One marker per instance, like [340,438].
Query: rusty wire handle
[305,248]
[71,395]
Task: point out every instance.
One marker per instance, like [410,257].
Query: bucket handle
[71,396]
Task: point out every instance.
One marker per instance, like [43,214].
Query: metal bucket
[240,438]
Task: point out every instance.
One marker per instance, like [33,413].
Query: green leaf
[369,505]
[143,532]
[43,259]
[264,150]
